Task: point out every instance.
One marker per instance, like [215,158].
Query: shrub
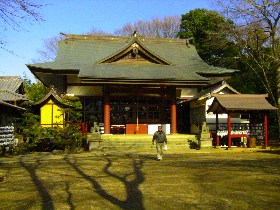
[23,148]
[49,139]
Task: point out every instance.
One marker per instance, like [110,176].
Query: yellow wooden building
[51,110]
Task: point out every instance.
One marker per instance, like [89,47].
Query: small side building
[51,110]
[200,103]
[12,95]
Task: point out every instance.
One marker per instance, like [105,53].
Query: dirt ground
[131,179]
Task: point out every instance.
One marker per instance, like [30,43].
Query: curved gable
[135,50]
[51,95]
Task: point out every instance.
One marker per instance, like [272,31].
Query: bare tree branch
[14,12]
[168,27]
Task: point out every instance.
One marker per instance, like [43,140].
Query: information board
[6,135]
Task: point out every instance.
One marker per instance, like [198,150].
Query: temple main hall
[130,84]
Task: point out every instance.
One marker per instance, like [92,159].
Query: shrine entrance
[130,105]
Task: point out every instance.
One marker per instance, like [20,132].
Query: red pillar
[265,130]
[229,131]
[173,116]
[106,108]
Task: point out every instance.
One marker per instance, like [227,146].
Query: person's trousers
[160,150]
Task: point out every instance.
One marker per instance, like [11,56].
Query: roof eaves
[241,102]
[37,67]
[11,105]
[213,70]
[214,89]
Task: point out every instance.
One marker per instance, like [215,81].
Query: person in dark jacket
[160,138]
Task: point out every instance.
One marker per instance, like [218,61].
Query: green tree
[211,35]
[258,38]
[34,91]
[249,44]
[72,109]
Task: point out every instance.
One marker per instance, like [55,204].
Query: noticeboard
[6,135]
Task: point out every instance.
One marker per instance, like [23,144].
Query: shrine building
[130,84]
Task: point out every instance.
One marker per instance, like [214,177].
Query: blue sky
[78,17]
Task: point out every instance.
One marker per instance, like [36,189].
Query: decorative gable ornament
[135,49]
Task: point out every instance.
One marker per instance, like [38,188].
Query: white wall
[154,127]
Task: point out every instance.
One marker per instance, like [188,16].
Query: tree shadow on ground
[69,198]
[134,197]
[276,152]
[44,194]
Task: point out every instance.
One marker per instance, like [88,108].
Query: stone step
[143,137]
[143,141]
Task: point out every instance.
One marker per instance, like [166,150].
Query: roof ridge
[10,77]
[112,37]
[240,95]
[52,92]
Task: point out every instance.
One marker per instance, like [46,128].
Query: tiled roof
[84,53]
[11,88]
[50,95]
[139,72]
[240,102]
[207,93]
[3,103]
[7,95]
[11,83]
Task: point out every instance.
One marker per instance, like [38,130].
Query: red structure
[250,104]
[173,116]
[107,115]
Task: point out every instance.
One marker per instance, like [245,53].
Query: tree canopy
[257,36]
[34,91]
[210,33]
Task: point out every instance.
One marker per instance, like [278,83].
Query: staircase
[144,141]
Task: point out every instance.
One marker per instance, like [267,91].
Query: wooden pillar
[265,131]
[173,115]
[229,131]
[106,110]
[217,128]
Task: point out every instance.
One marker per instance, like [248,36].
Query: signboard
[6,135]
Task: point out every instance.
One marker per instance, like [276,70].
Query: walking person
[160,138]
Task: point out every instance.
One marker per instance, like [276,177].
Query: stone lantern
[205,140]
